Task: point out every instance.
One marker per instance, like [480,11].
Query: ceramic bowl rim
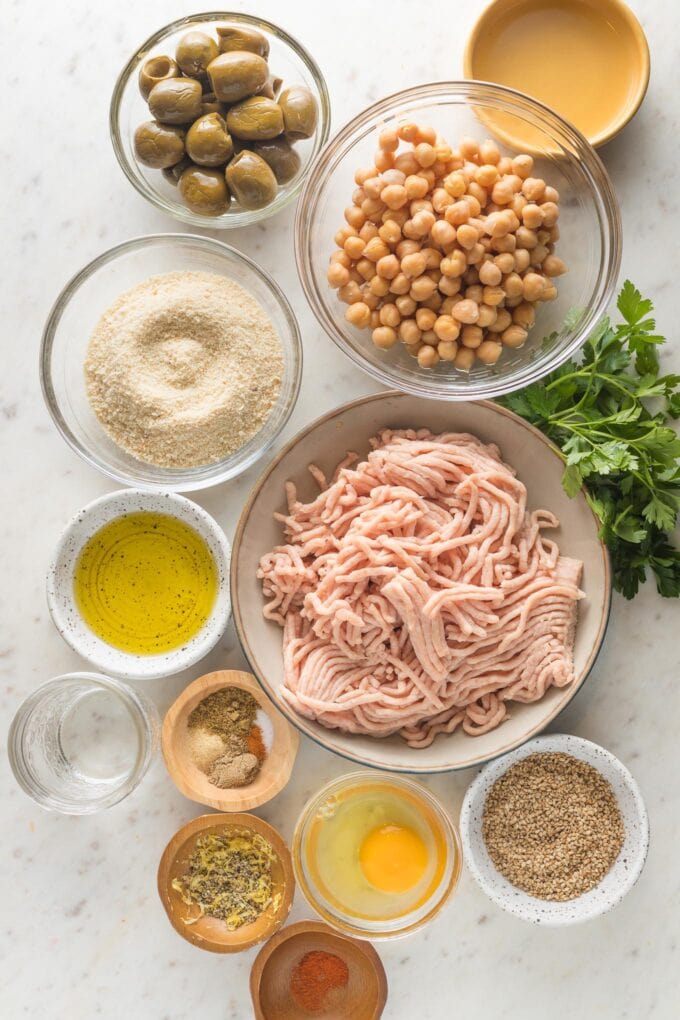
[199,646]
[522,905]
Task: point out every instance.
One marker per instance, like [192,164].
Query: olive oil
[145,583]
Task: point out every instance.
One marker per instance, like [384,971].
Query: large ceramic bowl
[350,427]
[590,233]
[87,296]
[287,58]
[618,881]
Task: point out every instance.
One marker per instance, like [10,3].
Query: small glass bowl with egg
[377,856]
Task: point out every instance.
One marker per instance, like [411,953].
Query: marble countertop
[83,931]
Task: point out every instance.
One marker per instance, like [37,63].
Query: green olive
[236,75]
[280,155]
[208,142]
[251,181]
[204,191]
[156,69]
[158,145]
[271,87]
[255,119]
[176,100]
[172,174]
[194,52]
[211,104]
[232,37]
[299,111]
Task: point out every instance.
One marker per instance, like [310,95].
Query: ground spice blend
[552,826]
[315,978]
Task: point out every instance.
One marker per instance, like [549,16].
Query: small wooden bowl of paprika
[281,746]
[308,969]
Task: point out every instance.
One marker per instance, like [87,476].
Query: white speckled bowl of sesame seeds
[610,889]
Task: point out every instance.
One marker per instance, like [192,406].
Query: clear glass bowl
[590,229]
[436,818]
[287,58]
[82,742]
[75,314]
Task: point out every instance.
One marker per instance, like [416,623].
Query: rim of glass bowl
[228,220]
[508,101]
[184,479]
[143,713]
[362,927]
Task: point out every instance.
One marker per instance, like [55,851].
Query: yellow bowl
[617,20]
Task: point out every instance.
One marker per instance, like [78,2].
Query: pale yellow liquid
[572,56]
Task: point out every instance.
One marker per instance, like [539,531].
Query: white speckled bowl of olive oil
[139,583]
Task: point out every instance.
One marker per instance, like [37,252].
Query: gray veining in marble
[83,931]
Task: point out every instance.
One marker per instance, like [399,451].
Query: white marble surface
[83,931]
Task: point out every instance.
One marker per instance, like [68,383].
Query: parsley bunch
[609,413]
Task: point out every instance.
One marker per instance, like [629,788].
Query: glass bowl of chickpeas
[216,118]
[448,258]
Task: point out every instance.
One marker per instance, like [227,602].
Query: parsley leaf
[609,412]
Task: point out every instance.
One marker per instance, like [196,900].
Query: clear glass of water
[82,742]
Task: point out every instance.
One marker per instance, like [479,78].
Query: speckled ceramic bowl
[613,887]
[60,594]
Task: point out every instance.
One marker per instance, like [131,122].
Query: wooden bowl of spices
[307,969]
[226,881]
[226,745]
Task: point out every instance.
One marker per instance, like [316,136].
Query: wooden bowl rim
[285,737]
[300,927]
[204,823]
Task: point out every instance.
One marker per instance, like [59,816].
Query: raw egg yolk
[393,858]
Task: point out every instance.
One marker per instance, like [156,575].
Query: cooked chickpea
[425,318]
[467,236]
[506,243]
[446,349]
[553,266]
[502,321]
[412,349]
[526,238]
[493,296]
[413,265]
[355,217]
[455,184]
[521,259]
[513,285]
[423,222]
[476,253]
[375,319]
[435,302]
[350,293]
[409,331]
[464,359]
[407,163]
[502,192]
[425,154]
[390,232]
[443,233]
[388,140]
[446,328]
[489,152]
[398,216]
[550,212]
[533,188]
[383,160]
[539,254]
[471,336]
[449,285]
[359,314]
[486,175]
[366,269]
[505,263]
[466,311]
[487,315]
[497,224]
[522,166]
[549,293]
[388,267]
[433,258]
[469,148]
[394,196]
[505,165]
[371,207]
[532,286]
[489,352]
[514,336]
[389,315]
[408,246]
[400,284]
[490,274]
[384,337]
[532,216]
[428,357]
[422,288]
[420,205]
[372,300]
[428,337]
[358,195]
[551,194]
[524,315]
[364,174]
[517,205]
[376,249]
[337,275]
[406,305]
[379,286]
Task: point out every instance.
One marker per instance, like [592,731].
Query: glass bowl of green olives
[216,118]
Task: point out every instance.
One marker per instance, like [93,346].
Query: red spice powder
[255,743]
[314,976]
